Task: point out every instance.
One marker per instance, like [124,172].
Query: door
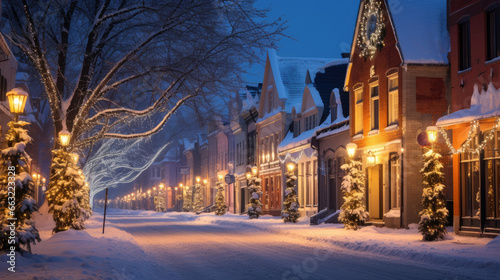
[375,191]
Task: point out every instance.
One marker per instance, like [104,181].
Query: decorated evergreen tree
[290,213]
[67,195]
[187,204]
[198,199]
[434,215]
[354,212]
[255,206]
[16,190]
[220,200]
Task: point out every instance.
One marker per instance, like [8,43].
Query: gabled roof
[290,75]
[420,29]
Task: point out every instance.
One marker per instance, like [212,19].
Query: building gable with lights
[397,80]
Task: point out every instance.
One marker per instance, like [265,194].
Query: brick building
[474,69]
[398,80]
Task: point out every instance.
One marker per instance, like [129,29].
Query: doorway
[375,194]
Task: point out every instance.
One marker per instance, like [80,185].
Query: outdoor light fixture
[221,177]
[249,175]
[175,188]
[255,170]
[162,186]
[154,188]
[64,136]
[43,180]
[181,185]
[198,179]
[17,100]
[351,149]
[149,192]
[290,166]
[205,181]
[370,158]
[432,132]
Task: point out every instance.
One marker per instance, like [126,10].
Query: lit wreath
[373,16]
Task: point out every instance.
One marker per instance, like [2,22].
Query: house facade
[282,89]
[474,68]
[398,84]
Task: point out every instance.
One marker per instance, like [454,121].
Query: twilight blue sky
[321,28]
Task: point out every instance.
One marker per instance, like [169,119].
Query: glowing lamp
[149,192]
[64,137]
[162,186]
[43,180]
[290,166]
[181,185]
[17,100]
[249,175]
[220,177]
[154,188]
[175,188]
[255,170]
[432,132]
[351,149]
[198,179]
[205,181]
[370,159]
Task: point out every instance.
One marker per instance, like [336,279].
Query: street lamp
[351,149]
[370,159]
[290,166]
[249,175]
[17,100]
[64,137]
[198,179]
[205,181]
[432,132]
[255,170]
[220,177]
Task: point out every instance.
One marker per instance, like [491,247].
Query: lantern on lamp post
[432,133]
[64,137]
[17,101]
[351,150]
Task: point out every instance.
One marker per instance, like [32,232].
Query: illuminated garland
[370,45]
[465,147]
[296,160]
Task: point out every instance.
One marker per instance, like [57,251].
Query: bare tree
[121,69]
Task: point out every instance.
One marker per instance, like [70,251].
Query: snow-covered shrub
[198,199]
[255,190]
[354,212]
[67,195]
[16,190]
[220,200]
[290,213]
[434,215]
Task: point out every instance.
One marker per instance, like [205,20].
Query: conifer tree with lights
[290,213]
[220,200]
[187,204]
[353,214]
[67,194]
[434,215]
[255,190]
[198,199]
[16,190]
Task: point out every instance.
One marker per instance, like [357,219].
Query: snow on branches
[16,190]
[433,216]
[290,213]
[220,200]
[198,199]
[255,190]
[353,213]
[67,195]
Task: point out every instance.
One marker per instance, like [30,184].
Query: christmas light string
[296,160]
[466,146]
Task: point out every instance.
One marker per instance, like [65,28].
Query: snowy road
[187,249]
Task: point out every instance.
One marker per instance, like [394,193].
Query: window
[310,122]
[464,45]
[395,181]
[493,37]
[393,112]
[358,117]
[374,107]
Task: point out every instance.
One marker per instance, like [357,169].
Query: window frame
[374,99]
[358,110]
[393,100]
[464,45]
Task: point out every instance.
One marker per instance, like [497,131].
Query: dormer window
[310,122]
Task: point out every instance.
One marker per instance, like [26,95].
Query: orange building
[475,79]
[397,80]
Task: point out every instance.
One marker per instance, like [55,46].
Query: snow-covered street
[148,245]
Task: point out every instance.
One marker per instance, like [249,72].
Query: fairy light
[296,160]
[466,146]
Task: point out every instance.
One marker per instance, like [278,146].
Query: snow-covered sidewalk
[148,245]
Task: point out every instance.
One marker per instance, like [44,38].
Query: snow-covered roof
[315,96]
[483,105]
[421,30]
[290,75]
[334,62]
[305,137]
[249,102]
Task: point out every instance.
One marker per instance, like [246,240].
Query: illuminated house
[475,83]
[397,80]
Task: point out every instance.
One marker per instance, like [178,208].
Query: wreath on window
[372,29]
